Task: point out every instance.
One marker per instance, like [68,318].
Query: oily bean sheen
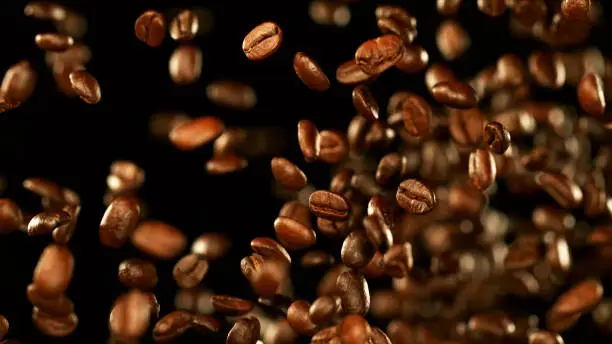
[263,41]
[19,82]
[354,329]
[53,41]
[438,73]
[268,248]
[172,326]
[355,292]
[119,221]
[185,65]
[159,239]
[378,336]
[244,331]
[150,28]
[328,205]
[365,103]
[562,189]
[189,271]
[377,55]
[583,297]
[85,86]
[417,116]
[211,246]
[293,235]
[455,94]
[333,146]
[496,137]
[482,169]
[576,9]
[324,309]
[231,94]
[53,271]
[47,221]
[54,326]
[310,73]
[130,315]
[391,166]
[414,197]
[414,59]
[298,318]
[231,305]
[349,73]
[59,306]
[11,217]
[196,133]
[466,126]
[591,94]
[137,273]
[356,250]
[184,26]
[308,139]
[287,174]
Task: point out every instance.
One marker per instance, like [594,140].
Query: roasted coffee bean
[184,27]
[377,336]
[298,318]
[448,7]
[231,94]
[230,141]
[137,273]
[391,166]
[455,94]
[482,169]
[53,271]
[119,221]
[452,40]
[329,13]
[211,246]
[7,104]
[74,24]
[576,9]
[436,74]
[354,329]
[365,103]
[224,164]
[45,188]
[496,137]
[196,133]
[377,55]
[11,218]
[581,298]
[279,332]
[355,292]
[4,326]
[185,65]
[54,326]
[399,260]
[78,54]
[85,86]
[329,205]
[357,251]
[417,116]
[293,235]
[150,28]
[333,146]
[310,73]
[59,306]
[159,239]
[45,10]
[53,41]
[511,70]
[268,248]
[591,94]
[547,69]
[547,218]
[206,323]
[309,140]
[231,305]
[47,221]
[263,41]
[545,337]
[399,15]
[317,258]
[189,271]
[267,279]
[562,189]
[63,233]
[287,174]
[248,265]
[378,234]
[296,211]
[244,331]
[466,126]
[492,8]
[172,326]
[19,82]
[129,318]
[324,309]
[595,196]
[415,197]
[489,327]
[349,73]
[327,335]
[414,59]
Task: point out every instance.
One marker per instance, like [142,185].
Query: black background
[74,143]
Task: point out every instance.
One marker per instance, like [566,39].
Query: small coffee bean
[397,13]
[185,65]
[399,260]
[231,94]
[189,271]
[268,248]
[562,189]
[47,221]
[85,86]
[581,298]
[296,211]
[292,234]
[53,41]
[206,323]
[496,137]
[184,27]
[267,279]
[59,306]
[452,40]
[455,94]
[415,197]
[19,82]
[489,327]
[591,94]
[150,28]
[355,292]
[349,73]
[172,326]
[287,174]
[263,41]
[129,318]
[53,271]
[417,116]
[357,251]
[137,273]
[438,73]
[231,305]
[492,8]
[482,169]
[211,246]
[248,265]
[54,326]
[224,164]
[309,140]
[396,27]
[547,69]
[159,239]
[377,55]
[316,258]
[310,73]
[391,166]
[466,126]
[45,10]
[448,7]
[11,218]
[244,331]
[333,146]
[576,9]
[545,337]
[365,103]
[414,59]
[4,326]
[196,133]
[354,329]
[328,205]
[324,309]
[124,176]
[119,221]
[298,318]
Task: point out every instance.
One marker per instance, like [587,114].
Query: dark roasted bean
[244,331]
[288,174]
[379,235]
[547,69]
[11,217]
[172,326]
[414,59]
[438,73]
[189,271]
[562,189]
[119,221]
[299,319]
[399,260]
[365,103]
[159,239]
[316,258]
[591,94]
[53,271]
[231,305]
[185,65]
[310,73]
[185,26]
[263,41]
[324,309]
[333,146]
[19,82]
[377,55]
[496,137]
[482,169]
[292,234]
[355,292]
[47,221]
[54,326]
[297,211]
[466,126]
[349,73]
[576,9]
[415,197]
[394,26]
[250,264]
[150,28]
[417,116]
[224,164]
[391,166]
[308,138]
[357,251]
[455,94]
[211,246]
[85,86]
[268,248]
[206,323]
[329,205]
[59,306]
[137,273]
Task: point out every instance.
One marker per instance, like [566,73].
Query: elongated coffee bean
[415,197]
[288,174]
[293,235]
[328,205]
[356,250]
[231,305]
[119,221]
[196,133]
[417,114]
[482,169]
[53,41]
[172,326]
[455,94]
[184,26]
[310,73]
[129,318]
[377,55]
[137,273]
[308,138]
[189,271]
[349,73]
[11,217]
[244,331]
[591,94]
[263,41]
[86,86]
[355,292]
[159,239]
[53,271]
[562,189]
[19,82]
[150,28]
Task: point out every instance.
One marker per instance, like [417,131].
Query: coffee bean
[547,69]
[206,323]
[492,8]
[438,73]
[310,73]
[328,13]
[496,137]
[511,70]
[54,326]
[377,336]
[591,94]
[263,41]
[231,94]
[448,7]
[53,41]
[279,332]
[11,217]
[292,234]
[45,11]
[150,28]
[415,197]
[545,337]
[417,116]
[45,188]
[125,176]
[296,211]
[378,234]
[489,327]
[309,140]
[355,292]
[324,309]
[377,55]
[7,104]
[397,13]
[576,9]
[452,40]
[129,318]
[316,258]
[365,103]
[414,59]
[349,73]
[354,329]
[399,260]
[328,205]
[4,326]
[595,196]
[137,273]
[288,174]
[455,94]
[58,306]
[267,279]
[189,271]
[248,265]
[159,239]
[562,189]
[231,305]
[391,166]
[211,246]
[47,221]
[119,221]
[482,169]
[196,133]
[244,331]
[184,27]
[185,65]
[547,218]
[19,82]
[394,26]
[333,146]
[53,271]
[298,318]
[357,251]
[581,298]
[172,326]
[466,126]
[268,248]
[225,164]
[85,86]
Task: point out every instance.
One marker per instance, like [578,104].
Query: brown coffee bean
[452,40]
[211,246]
[267,279]
[414,59]
[248,265]
[159,239]
[124,176]
[324,309]
[172,326]
[189,271]
[310,73]
[119,221]
[595,196]
[53,41]
[244,331]
[231,305]
[400,15]
[185,65]
[231,94]
[184,27]
[316,258]
[349,73]
[377,336]
[581,298]
[562,189]
[196,133]
[399,260]
[417,116]
[150,28]
[328,13]
[298,318]
[496,137]
[333,146]
[287,174]
[576,9]
[279,332]
[296,211]
[492,8]
[268,248]
[45,10]
[129,318]
[365,103]
[379,235]
[354,329]
[544,337]
[489,327]
[308,138]
[482,169]
[45,188]
[438,73]
[11,217]
[357,251]
[591,94]
[137,273]
[455,94]
[466,126]
[53,271]
[206,323]
[19,82]
[224,164]
[377,55]
[547,69]
[229,141]
[54,326]
[59,306]
[390,167]
[4,326]
[263,41]
[415,197]
[355,292]
[547,218]
[47,221]
[448,7]
[85,86]
[293,235]
[329,205]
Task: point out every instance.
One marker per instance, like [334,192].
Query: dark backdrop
[74,143]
